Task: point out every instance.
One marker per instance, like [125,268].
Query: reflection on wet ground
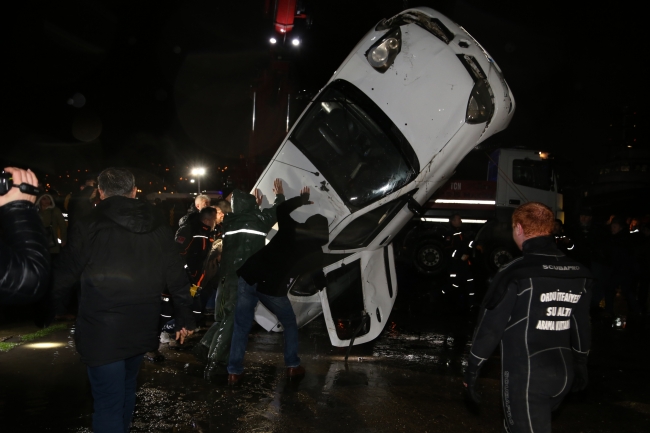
[409,379]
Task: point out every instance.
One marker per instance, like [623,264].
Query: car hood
[430,102]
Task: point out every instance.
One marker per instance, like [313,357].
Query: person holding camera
[24,258]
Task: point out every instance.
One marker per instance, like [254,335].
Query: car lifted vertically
[413,97]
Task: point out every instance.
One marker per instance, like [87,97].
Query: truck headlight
[382,54]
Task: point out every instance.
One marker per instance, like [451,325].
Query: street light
[198,172]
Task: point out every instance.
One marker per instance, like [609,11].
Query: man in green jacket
[244,233]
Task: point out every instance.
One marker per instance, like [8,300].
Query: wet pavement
[409,379]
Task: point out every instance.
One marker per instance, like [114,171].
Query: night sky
[97,83]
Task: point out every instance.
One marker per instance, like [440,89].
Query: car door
[359,296]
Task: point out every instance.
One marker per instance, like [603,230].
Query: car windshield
[358,149]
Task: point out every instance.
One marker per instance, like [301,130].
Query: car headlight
[382,54]
[480,106]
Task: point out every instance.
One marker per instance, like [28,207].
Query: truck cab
[511,177]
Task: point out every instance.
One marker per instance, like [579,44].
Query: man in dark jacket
[24,257]
[189,222]
[81,202]
[244,233]
[266,276]
[125,257]
[537,306]
[592,248]
[625,270]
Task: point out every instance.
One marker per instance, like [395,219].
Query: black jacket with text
[125,257]
[536,303]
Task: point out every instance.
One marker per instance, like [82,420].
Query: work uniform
[538,308]
[461,280]
[187,226]
[195,254]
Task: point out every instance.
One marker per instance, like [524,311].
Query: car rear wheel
[429,257]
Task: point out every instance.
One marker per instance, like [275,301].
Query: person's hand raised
[277,187]
[304,193]
[258,196]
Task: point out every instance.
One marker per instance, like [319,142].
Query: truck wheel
[497,257]
[429,257]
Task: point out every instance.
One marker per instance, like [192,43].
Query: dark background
[162,86]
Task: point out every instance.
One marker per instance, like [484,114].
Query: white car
[415,95]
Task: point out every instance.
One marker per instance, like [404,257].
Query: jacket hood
[38,202]
[242,202]
[315,227]
[134,215]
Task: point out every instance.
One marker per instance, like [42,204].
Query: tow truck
[285,14]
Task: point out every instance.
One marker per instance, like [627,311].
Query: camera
[7,182]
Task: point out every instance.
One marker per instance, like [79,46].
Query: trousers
[113,387]
[533,388]
[247,299]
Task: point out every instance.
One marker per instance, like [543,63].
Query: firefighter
[625,270]
[537,306]
[196,253]
[187,225]
[592,248]
[461,280]
[563,242]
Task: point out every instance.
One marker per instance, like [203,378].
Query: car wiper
[315,173]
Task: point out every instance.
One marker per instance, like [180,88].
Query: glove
[580,376]
[194,289]
[470,382]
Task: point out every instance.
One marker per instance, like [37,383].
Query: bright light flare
[198,171]
[295,42]
[44,345]
[444,220]
[273,41]
[451,201]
